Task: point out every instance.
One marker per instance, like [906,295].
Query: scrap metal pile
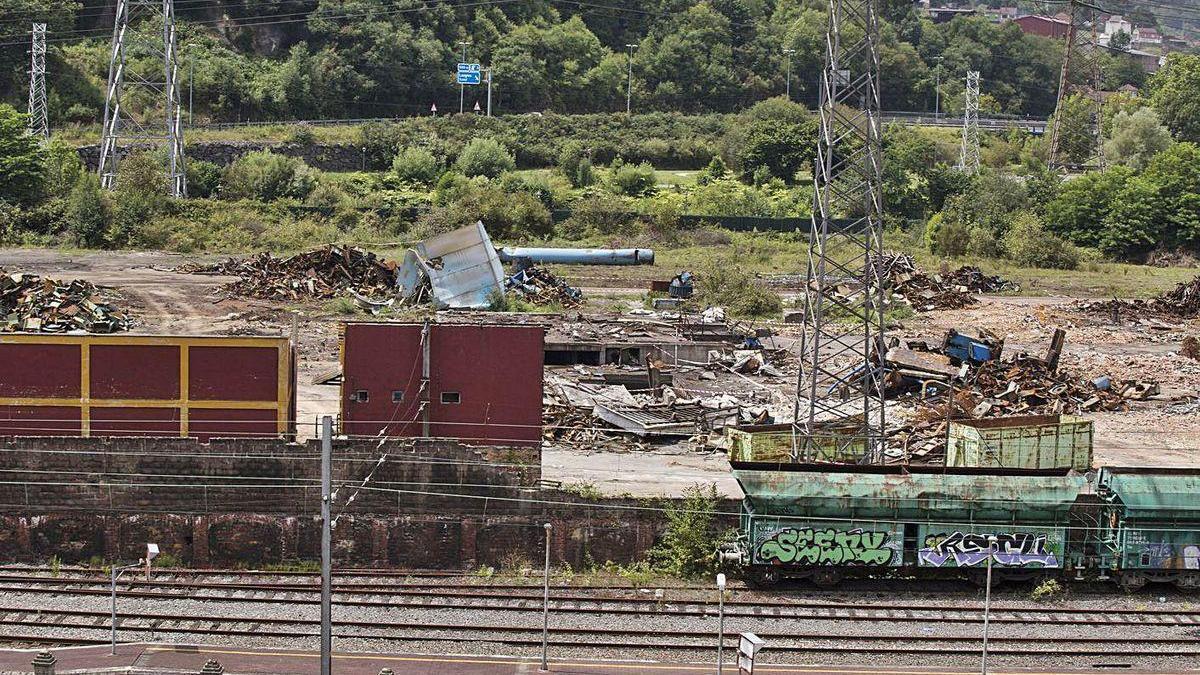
[321,273]
[1182,302]
[910,285]
[950,384]
[539,286]
[34,304]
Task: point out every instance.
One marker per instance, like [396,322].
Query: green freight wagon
[826,521]
[1027,442]
[1149,525]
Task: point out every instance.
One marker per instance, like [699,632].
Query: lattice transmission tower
[1080,75]
[968,158]
[39,124]
[839,411]
[141,108]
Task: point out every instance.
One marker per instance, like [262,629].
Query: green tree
[1134,222]
[777,135]
[1029,244]
[484,157]
[1136,138]
[1175,94]
[63,168]
[22,161]
[1082,205]
[88,213]
[1074,119]
[632,180]
[1176,174]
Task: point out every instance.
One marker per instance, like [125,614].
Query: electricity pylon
[39,124]
[1080,75]
[968,159]
[141,108]
[839,412]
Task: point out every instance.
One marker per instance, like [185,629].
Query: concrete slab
[640,474]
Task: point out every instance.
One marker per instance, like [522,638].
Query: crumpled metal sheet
[461,268]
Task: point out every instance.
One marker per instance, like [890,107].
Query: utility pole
[788,89]
[39,124]
[1080,75]
[326,546]
[937,90]
[462,88]
[968,159]
[158,120]
[629,83]
[839,395]
[191,85]
[489,92]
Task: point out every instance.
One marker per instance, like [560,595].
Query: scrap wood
[31,303]
[321,273]
[1181,302]
[923,292]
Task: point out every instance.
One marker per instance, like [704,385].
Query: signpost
[748,646]
[469,73]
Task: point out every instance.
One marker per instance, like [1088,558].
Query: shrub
[716,170]
[585,174]
[416,165]
[724,283]
[549,190]
[203,178]
[63,168]
[575,163]
[267,176]
[728,197]
[88,212]
[1028,243]
[598,214]
[689,543]
[302,134]
[947,235]
[632,180]
[484,157]
[505,215]
[1047,590]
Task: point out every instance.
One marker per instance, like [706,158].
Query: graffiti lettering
[1168,556]
[808,546]
[965,549]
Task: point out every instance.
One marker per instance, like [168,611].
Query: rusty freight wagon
[472,382]
[131,385]
[826,522]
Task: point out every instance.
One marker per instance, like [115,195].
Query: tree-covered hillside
[307,59]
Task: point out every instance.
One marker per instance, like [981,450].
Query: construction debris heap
[321,273]
[946,290]
[1182,302]
[34,304]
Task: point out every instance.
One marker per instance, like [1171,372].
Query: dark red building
[1046,26]
[472,382]
[131,385]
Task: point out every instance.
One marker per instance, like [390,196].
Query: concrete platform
[164,659]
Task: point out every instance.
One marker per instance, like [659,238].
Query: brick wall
[257,501]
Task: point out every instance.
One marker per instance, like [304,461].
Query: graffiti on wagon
[827,546]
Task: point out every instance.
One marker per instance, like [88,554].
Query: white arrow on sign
[433,108]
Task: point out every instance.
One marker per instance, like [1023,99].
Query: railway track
[576,601]
[161,625]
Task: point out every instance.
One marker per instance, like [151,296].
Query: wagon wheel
[978,578]
[764,577]
[1131,581]
[827,577]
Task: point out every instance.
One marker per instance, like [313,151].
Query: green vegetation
[1049,589]
[688,546]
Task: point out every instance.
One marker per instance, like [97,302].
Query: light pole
[720,623]
[789,53]
[987,602]
[117,571]
[489,93]
[546,600]
[629,83]
[462,88]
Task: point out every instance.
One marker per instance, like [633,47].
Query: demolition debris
[34,304]
[321,273]
[1182,302]
[947,290]
[539,286]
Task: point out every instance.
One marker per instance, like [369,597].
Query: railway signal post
[546,600]
[326,553]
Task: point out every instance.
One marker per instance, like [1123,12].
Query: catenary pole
[546,600]
[462,88]
[326,552]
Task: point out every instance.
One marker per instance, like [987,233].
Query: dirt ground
[166,302]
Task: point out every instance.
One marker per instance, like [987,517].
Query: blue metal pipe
[578,256]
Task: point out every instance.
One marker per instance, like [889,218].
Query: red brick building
[1045,26]
[471,382]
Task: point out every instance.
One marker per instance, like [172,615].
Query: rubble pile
[541,287]
[321,273]
[34,304]
[1182,302]
[948,290]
